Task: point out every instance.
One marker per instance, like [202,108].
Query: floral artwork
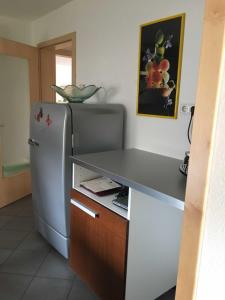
[160,66]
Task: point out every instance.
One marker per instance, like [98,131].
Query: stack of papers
[101,186]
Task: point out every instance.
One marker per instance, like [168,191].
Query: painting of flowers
[159,72]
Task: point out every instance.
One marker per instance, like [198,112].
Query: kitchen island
[155,213]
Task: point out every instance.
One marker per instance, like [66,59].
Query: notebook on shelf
[101,186]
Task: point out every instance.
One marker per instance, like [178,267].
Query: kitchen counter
[155,175]
[155,213]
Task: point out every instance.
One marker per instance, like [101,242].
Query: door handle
[32,142]
[35,143]
[84,208]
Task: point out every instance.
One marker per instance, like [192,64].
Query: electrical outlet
[186,108]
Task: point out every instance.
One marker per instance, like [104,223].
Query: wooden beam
[64,46]
[16,49]
[63,52]
[212,55]
[58,40]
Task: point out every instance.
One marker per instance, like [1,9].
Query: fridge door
[97,127]
[50,147]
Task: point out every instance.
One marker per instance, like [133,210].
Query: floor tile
[25,212]
[10,239]
[48,289]
[24,262]
[22,207]
[170,295]
[9,210]
[12,287]
[55,266]
[24,253]
[80,291]
[4,220]
[23,202]
[20,224]
[4,254]
[34,241]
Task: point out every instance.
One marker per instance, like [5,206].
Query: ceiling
[29,9]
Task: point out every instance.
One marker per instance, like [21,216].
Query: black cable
[189,126]
[188,132]
[184,165]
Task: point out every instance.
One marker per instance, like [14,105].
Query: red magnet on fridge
[48,120]
[39,116]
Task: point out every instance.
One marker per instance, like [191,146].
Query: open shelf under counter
[105,201]
[152,174]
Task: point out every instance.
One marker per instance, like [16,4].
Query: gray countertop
[150,173]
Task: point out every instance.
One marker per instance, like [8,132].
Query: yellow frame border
[182,15]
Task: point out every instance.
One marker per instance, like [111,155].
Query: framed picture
[160,56]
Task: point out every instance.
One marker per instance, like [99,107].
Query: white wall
[212,264]
[14,109]
[16,30]
[107,54]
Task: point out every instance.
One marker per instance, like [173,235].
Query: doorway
[57,66]
[19,88]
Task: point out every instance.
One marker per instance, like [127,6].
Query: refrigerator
[58,131]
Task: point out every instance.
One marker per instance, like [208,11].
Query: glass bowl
[73,93]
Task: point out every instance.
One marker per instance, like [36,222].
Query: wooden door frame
[208,97]
[20,50]
[62,39]
[15,187]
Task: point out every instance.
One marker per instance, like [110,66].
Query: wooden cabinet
[98,247]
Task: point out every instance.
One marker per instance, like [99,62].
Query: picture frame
[159,71]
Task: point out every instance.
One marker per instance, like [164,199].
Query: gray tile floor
[30,268]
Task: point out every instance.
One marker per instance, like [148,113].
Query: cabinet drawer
[98,247]
[114,223]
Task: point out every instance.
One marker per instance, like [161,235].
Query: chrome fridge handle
[32,142]
[84,208]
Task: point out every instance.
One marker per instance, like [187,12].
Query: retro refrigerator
[58,131]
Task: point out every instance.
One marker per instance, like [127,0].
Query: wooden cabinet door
[98,247]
